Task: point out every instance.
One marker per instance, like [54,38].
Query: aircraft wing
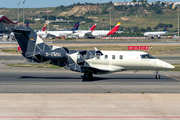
[97,68]
[54,35]
[51,35]
[83,34]
[88,34]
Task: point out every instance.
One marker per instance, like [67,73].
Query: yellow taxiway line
[174,77]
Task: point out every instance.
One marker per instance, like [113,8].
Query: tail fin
[44,28]
[30,43]
[76,26]
[92,28]
[115,29]
[27,24]
[35,50]
[165,29]
[174,37]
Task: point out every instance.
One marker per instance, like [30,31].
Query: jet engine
[81,35]
[159,37]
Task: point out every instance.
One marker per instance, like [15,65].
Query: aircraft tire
[158,76]
[88,75]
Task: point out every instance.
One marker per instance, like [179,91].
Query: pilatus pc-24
[89,62]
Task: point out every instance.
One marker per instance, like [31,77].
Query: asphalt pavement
[38,80]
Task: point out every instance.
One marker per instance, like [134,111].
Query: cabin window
[106,56]
[120,57]
[97,55]
[113,56]
[147,56]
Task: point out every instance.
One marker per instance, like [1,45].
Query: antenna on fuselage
[95,49]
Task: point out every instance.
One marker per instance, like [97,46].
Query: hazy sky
[54,3]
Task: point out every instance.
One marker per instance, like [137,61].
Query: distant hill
[143,18]
[81,10]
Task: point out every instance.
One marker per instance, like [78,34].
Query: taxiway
[39,80]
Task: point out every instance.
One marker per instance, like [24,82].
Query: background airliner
[84,33]
[42,34]
[89,62]
[157,34]
[97,33]
[59,33]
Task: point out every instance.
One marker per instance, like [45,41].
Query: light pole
[178,19]
[18,11]
[23,11]
[47,20]
[110,18]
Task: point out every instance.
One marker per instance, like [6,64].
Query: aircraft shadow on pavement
[30,77]
[121,79]
[81,78]
[98,78]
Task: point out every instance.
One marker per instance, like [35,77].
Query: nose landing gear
[157,75]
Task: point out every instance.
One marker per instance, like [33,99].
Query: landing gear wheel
[158,76]
[88,75]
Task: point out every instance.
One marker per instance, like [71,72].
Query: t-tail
[165,29]
[34,49]
[76,26]
[44,28]
[115,29]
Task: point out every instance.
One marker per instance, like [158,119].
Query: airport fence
[123,38]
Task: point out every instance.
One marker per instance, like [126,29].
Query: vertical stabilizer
[165,29]
[27,24]
[44,28]
[28,40]
[76,26]
[115,29]
[93,27]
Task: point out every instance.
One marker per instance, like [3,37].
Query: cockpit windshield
[147,56]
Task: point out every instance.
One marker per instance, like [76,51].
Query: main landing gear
[88,75]
[157,75]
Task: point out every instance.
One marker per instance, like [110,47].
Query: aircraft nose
[169,66]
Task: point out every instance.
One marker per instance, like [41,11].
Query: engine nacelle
[54,55]
[95,35]
[81,35]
